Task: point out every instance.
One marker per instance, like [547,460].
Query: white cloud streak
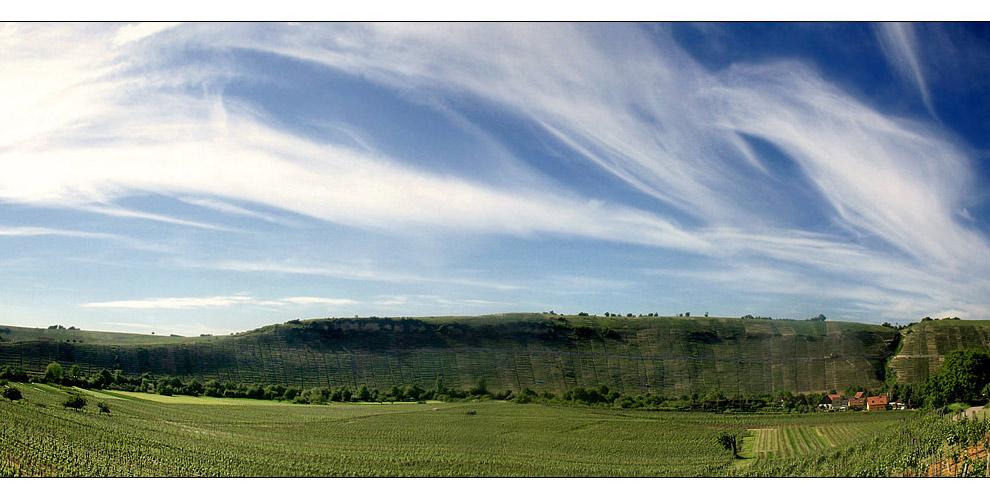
[217,302]
[899,44]
[134,32]
[222,206]
[27,231]
[173,302]
[350,272]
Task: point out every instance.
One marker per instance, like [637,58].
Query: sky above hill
[209,178]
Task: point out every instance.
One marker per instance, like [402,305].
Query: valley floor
[150,435]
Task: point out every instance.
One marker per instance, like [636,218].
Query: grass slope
[145,437]
[672,356]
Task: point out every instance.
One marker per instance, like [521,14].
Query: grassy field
[664,355]
[147,435]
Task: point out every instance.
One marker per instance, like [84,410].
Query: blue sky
[210,178]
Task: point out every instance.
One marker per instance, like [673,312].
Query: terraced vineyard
[925,344]
[150,435]
[670,356]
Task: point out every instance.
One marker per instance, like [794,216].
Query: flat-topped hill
[668,355]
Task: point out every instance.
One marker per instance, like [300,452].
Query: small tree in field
[12,393]
[727,441]
[75,402]
[103,407]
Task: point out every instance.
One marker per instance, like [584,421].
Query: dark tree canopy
[53,372]
[961,378]
[11,393]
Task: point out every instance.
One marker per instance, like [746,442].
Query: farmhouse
[834,402]
[875,403]
[858,401]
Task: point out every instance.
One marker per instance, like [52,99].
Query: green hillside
[925,344]
[671,356]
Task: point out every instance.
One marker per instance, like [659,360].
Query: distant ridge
[667,355]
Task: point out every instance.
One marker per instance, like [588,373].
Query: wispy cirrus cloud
[657,120]
[900,45]
[28,231]
[219,301]
[654,118]
[134,32]
[436,301]
[230,208]
[185,149]
[309,301]
[92,126]
[173,302]
[349,272]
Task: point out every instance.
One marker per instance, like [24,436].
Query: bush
[13,375]
[12,393]
[290,394]
[480,387]
[53,372]
[75,402]
[103,407]
[363,393]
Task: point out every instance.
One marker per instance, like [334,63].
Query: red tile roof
[876,401]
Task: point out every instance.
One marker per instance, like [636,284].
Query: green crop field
[807,436]
[147,435]
[663,355]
